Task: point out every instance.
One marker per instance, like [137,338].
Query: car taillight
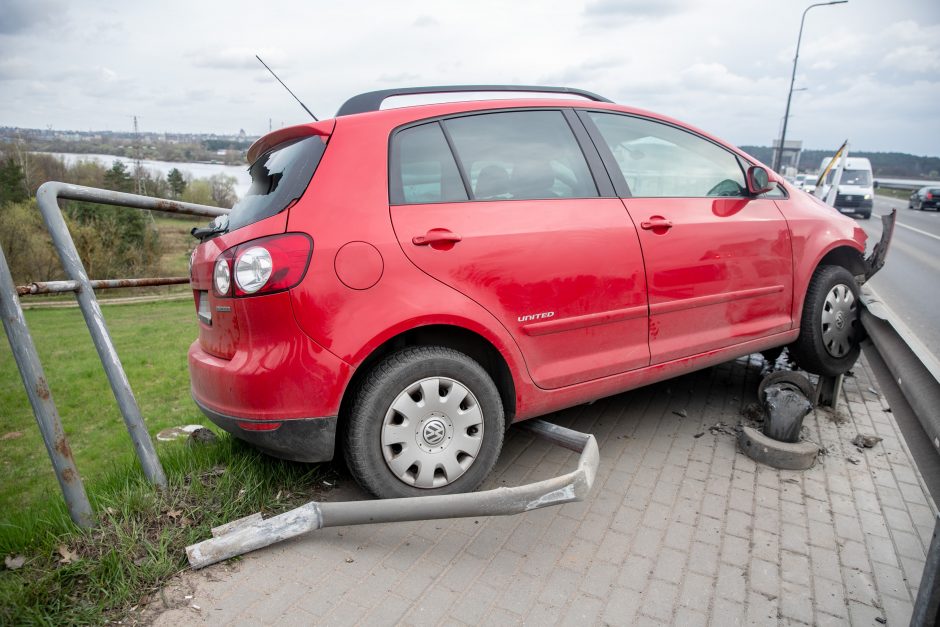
[929,195]
[263,266]
[222,274]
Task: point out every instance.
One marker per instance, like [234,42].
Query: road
[910,281]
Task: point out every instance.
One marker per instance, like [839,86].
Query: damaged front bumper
[875,261]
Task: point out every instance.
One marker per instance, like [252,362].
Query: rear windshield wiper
[217,226]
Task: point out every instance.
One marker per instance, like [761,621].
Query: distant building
[791,154]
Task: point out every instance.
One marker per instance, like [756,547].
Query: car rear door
[516,222]
[718,262]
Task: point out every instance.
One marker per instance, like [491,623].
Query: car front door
[718,262]
[516,223]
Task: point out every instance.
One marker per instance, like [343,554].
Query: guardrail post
[927,605]
[40,397]
[828,390]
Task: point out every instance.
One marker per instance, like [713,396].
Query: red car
[411,281]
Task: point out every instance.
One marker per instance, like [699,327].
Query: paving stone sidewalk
[679,529]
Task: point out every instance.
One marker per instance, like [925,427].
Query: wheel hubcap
[432,432]
[839,318]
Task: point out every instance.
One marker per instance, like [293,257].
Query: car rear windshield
[278,178]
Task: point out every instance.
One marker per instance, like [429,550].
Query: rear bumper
[299,440]
[276,372]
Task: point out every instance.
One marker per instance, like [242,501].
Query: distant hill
[884,164]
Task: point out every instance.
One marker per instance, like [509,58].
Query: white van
[856,191]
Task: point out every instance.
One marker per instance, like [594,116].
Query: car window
[658,160]
[423,169]
[520,155]
[278,177]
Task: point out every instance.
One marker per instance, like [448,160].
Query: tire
[830,330]
[455,441]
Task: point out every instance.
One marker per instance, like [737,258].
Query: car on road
[402,284]
[925,198]
[856,186]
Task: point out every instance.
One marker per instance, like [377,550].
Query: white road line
[918,230]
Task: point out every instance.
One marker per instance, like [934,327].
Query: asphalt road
[909,283]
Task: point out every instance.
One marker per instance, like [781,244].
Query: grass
[151,339]
[75,577]
[107,573]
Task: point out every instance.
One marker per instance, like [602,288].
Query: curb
[783,455]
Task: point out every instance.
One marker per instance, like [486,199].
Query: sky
[869,70]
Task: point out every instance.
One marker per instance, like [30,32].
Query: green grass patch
[152,340]
[71,576]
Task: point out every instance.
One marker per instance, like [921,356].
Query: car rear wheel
[830,329]
[426,420]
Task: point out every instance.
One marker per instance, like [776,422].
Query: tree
[12,182]
[223,189]
[177,183]
[118,178]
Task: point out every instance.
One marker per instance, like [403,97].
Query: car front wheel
[830,329]
[426,420]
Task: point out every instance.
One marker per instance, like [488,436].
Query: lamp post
[778,155]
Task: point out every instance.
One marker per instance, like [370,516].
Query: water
[196,170]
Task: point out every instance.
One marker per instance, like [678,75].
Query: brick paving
[679,529]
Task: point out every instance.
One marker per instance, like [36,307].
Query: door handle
[655,222]
[436,236]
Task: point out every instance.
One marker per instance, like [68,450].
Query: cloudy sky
[869,70]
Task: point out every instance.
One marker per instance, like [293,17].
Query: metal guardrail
[915,373]
[253,532]
[27,358]
[59,287]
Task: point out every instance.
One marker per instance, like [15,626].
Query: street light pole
[778,155]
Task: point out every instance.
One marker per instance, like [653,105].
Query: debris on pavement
[865,441]
[720,427]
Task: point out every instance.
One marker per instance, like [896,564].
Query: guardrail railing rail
[27,358]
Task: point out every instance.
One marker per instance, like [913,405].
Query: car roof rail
[372,100]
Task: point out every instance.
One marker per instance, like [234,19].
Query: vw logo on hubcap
[433,432]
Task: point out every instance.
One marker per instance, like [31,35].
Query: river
[197,170]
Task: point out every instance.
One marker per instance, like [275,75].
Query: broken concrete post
[785,407]
[786,400]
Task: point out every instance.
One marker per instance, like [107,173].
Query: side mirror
[758,181]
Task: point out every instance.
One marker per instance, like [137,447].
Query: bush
[26,244]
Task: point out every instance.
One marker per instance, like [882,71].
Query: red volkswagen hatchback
[411,281]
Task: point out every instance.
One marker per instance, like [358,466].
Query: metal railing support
[48,197]
[40,397]
[60,287]
[828,390]
[253,532]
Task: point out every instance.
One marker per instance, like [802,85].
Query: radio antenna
[288,89]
